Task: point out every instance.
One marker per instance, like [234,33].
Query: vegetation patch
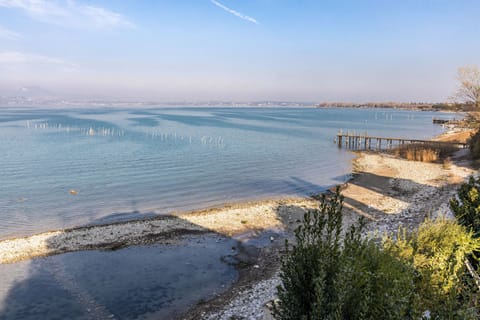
[332,274]
[424,152]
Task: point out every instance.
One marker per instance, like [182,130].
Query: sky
[240,50]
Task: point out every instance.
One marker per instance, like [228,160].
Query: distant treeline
[399,105]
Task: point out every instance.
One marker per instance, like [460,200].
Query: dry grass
[424,152]
[447,163]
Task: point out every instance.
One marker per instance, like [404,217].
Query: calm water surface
[152,282]
[126,164]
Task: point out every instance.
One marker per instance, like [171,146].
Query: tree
[468,90]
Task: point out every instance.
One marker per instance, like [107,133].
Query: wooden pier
[354,141]
[446,121]
[440,121]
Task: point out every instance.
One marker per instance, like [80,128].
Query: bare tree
[468,90]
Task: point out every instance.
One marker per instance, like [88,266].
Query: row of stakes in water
[111,132]
[173,137]
[104,132]
[389,116]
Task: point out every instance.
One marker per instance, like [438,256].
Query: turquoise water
[131,163]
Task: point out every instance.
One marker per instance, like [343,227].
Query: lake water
[64,168]
[149,282]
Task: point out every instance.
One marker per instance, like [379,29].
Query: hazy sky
[308,50]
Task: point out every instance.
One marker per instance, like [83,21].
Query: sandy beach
[388,191]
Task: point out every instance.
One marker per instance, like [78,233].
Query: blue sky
[175,50]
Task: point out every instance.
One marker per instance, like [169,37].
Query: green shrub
[330,275]
[374,284]
[438,251]
[309,268]
[466,207]
[325,277]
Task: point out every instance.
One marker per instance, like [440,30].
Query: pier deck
[354,141]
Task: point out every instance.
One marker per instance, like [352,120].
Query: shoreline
[231,220]
[389,191]
[164,221]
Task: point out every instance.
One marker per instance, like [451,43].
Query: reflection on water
[133,283]
[161,160]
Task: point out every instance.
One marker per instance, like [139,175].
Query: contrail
[235,13]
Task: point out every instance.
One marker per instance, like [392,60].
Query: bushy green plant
[330,275]
[466,207]
[325,276]
[438,251]
[309,268]
[374,284]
